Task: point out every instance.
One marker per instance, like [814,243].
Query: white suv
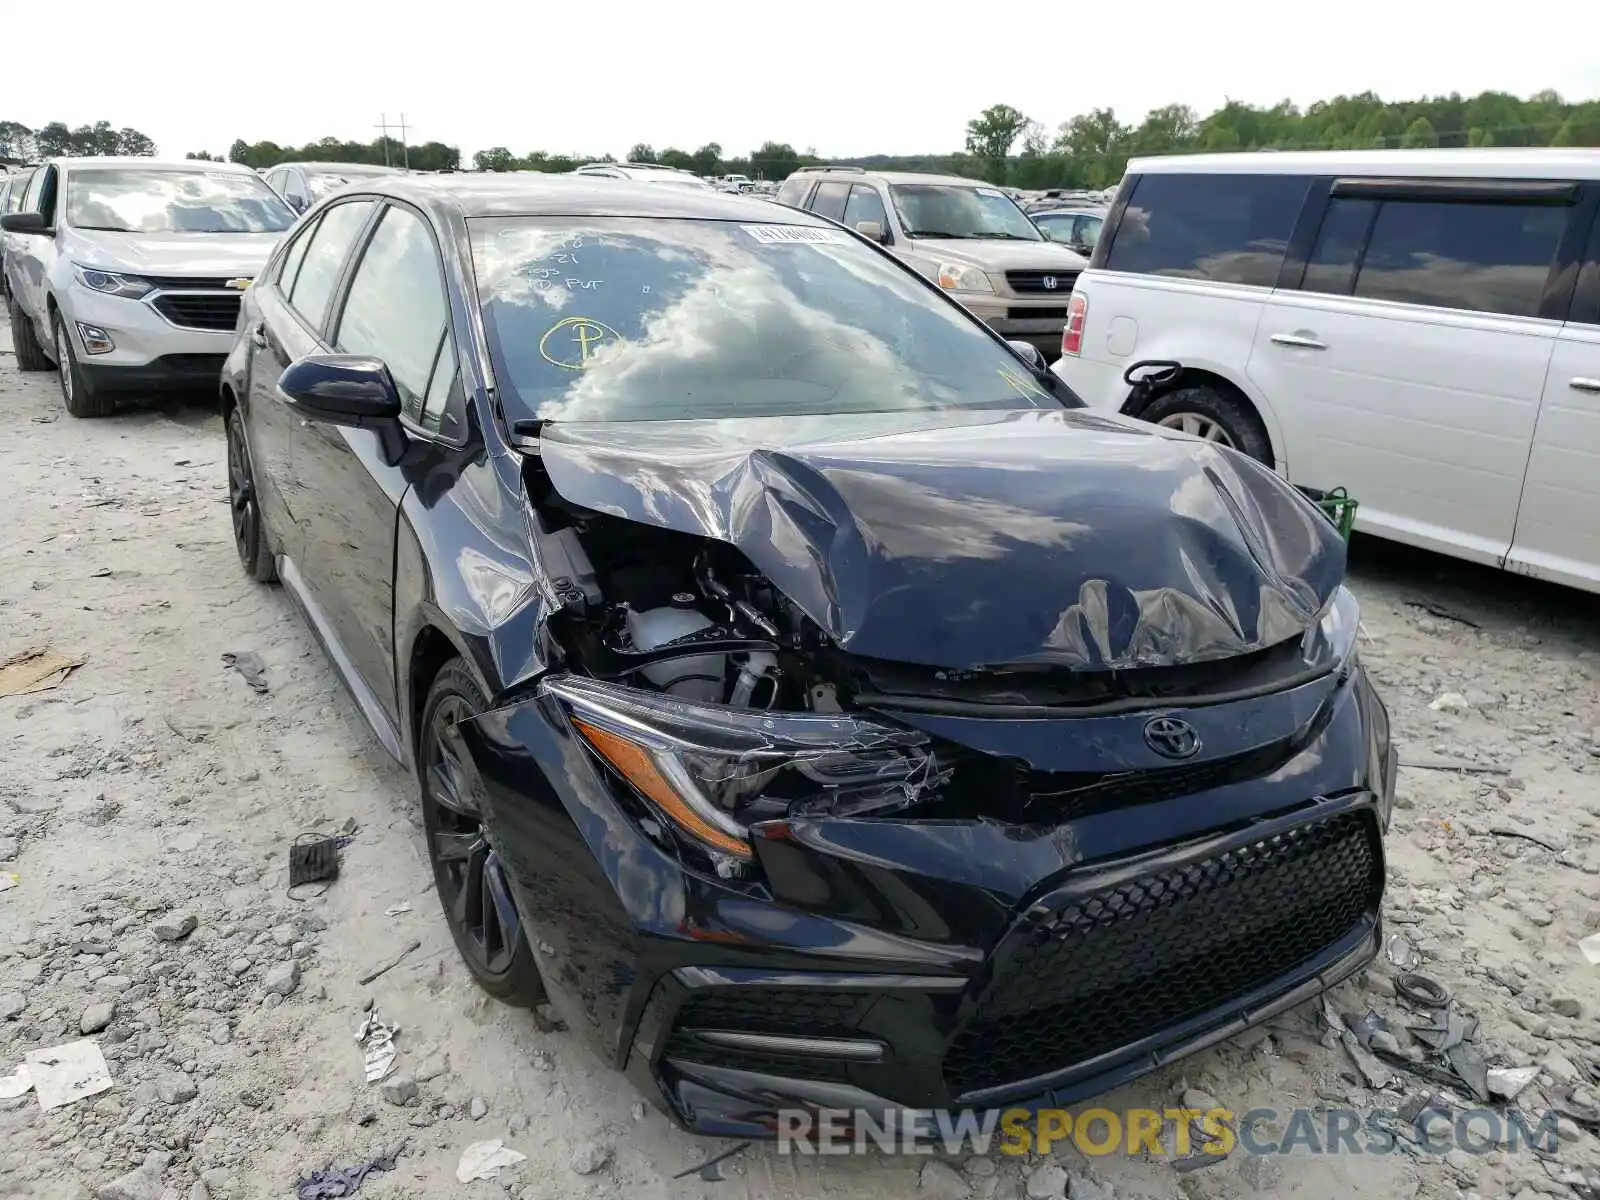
[1421,328]
[126,273]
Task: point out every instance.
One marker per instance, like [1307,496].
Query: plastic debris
[249,665]
[313,859]
[1470,1068]
[1421,991]
[1508,1082]
[1401,953]
[394,910]
[483,1160]
[67,1073]
[377,1046]
[36,671]
[331,1183]
[1591,949]
[18,1083]
[1372,1070]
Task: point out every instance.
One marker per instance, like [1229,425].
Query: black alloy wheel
[472,880]
[249,536]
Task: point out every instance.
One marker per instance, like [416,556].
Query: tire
[76,392]
[472,882]
[244,505]
[30,355]
[1213,414]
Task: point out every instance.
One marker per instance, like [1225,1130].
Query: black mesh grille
[1122,964]
[198,310]
[183,283]
[1037,314]
[1043,283]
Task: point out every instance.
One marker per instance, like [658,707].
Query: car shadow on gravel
[1451,589]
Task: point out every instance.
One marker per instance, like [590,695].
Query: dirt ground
[154,783]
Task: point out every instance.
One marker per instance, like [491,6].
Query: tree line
[425,156]
[19,144]
[773,160]
[1091,150]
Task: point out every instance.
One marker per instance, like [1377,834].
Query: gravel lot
[153,783]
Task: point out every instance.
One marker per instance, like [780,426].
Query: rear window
[1226,228]
[1478,257]
[624,319]
[794,189]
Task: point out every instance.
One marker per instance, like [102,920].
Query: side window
[1332,265]
[1227,228]
[830,200]
[324,257]
[294,191]
[289,264]
[397,309]
[1479,257]
[442,410]
[865,205]
[1586,303]
[794,189]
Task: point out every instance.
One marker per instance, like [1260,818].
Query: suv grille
[1127,962]
[199,310]
[1036,283]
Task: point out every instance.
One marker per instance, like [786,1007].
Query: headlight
[129,286]
[957,277]
[1332,640]
[713,771]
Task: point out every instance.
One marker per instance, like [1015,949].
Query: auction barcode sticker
[773,235]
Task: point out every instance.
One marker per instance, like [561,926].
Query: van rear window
[1225,227]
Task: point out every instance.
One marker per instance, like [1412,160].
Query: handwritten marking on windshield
[573,343]
[1028,389]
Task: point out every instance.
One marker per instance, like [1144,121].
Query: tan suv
[966,235]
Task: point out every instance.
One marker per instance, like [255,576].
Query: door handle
[1584,384]
[1300,340]
[258,336]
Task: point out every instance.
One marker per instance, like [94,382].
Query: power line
[383,127]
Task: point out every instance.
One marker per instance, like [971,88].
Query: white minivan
[1419,327]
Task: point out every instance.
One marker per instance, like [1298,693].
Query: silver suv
[964,234]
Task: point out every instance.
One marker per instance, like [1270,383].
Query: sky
[842,78]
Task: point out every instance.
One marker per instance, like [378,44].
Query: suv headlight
[109,283]
[958,277]
[712,771]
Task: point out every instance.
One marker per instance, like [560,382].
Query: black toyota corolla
[805,692]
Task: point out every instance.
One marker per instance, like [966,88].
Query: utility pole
[405,148]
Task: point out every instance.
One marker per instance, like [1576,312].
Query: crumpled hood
[195,255]
[998,254]
[969,539]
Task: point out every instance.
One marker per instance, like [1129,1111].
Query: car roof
[339,167]
[896,176]
[533,193]
[123,162]
[1517,162]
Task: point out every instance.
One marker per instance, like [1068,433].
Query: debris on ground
[314,859]
[249,666]
[67,1073]
[378,1052]
[332,1182]
[391,964]
[484,1160]
[34,671]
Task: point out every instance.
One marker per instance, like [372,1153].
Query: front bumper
[944,964]
[1038,322]
[150,350]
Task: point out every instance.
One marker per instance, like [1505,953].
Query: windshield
[135,201]
[616,319]
[952,210]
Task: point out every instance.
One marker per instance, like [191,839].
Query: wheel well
[1198,377]
[229,402]
[429,653]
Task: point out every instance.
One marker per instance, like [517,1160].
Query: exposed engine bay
[691,617]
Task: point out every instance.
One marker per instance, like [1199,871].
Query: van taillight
[1077,313]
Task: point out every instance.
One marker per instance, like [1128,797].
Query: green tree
[16,141]
[990,136]
[707,160]
[642,152]
[202,156]
[774,160]
[54,140]
[132,142]
[239,151]
[676,158]
[496,158]
[1418,134]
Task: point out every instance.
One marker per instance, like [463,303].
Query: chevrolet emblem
[237,285]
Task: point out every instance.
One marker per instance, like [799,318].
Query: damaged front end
[767,863]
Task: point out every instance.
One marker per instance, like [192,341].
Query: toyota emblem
[1171,737]
[1049,283]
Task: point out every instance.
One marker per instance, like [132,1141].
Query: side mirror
[873,230]
[24,222]
[355,391]
[1030,354]
[298,203]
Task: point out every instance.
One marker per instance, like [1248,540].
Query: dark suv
[804,691]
